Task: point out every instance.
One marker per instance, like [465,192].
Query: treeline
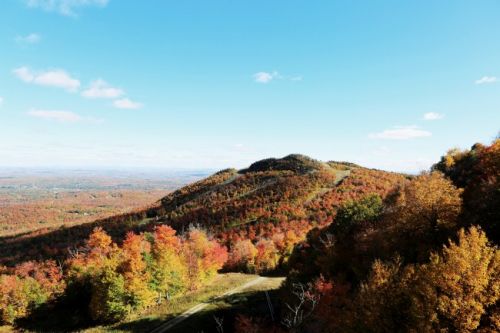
[423,259]
[105,282]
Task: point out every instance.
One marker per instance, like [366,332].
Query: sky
[223,83]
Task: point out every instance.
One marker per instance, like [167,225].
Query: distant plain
[43,199]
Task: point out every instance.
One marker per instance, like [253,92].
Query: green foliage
[169,273]
[137,274]
[294,162]
[366,209]
[108,302]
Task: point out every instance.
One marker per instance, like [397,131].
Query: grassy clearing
[251,301]
[155,316]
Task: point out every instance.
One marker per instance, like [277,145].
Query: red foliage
[47,273]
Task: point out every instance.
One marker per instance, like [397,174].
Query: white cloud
[32,38]
[433,116]
[487,79]
[1,101]
[401,133]
[57,78]
[61,116]
[65,7]
[24,74]
[126,103]
[101,89]
[264,77]
[54,78]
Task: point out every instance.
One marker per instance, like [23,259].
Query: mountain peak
[293,162]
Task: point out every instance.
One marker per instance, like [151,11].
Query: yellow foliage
[464,280]
[429,201]
[454,292]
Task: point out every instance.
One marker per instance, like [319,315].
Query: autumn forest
[284,166]
[363,250]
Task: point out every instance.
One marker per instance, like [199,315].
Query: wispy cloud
[126,103]
[62,116]
[32,38]
[24,73]
[1,101]
[487,79]
[266,77]
[57,115]
[401,133]
[101,89]
[65,7]
[54,78]
[433,116]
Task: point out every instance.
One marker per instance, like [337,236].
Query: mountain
[362,249]
[274,199]
[271,197]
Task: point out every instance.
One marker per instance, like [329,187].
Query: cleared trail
[198,307]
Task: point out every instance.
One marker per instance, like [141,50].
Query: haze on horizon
[209,85]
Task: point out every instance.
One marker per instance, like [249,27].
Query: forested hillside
[423,259]
[294,193]
[255,215]
[363,249]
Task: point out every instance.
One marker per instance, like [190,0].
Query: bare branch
[219,322]
[306,302]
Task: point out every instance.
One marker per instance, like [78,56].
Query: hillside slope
[426,259]
[363,249]
[270,197]
[246,221]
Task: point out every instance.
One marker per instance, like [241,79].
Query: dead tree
[219,324]
[306,301]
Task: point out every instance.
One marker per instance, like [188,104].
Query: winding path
[198,307]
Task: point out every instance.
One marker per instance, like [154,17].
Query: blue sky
[214,84]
